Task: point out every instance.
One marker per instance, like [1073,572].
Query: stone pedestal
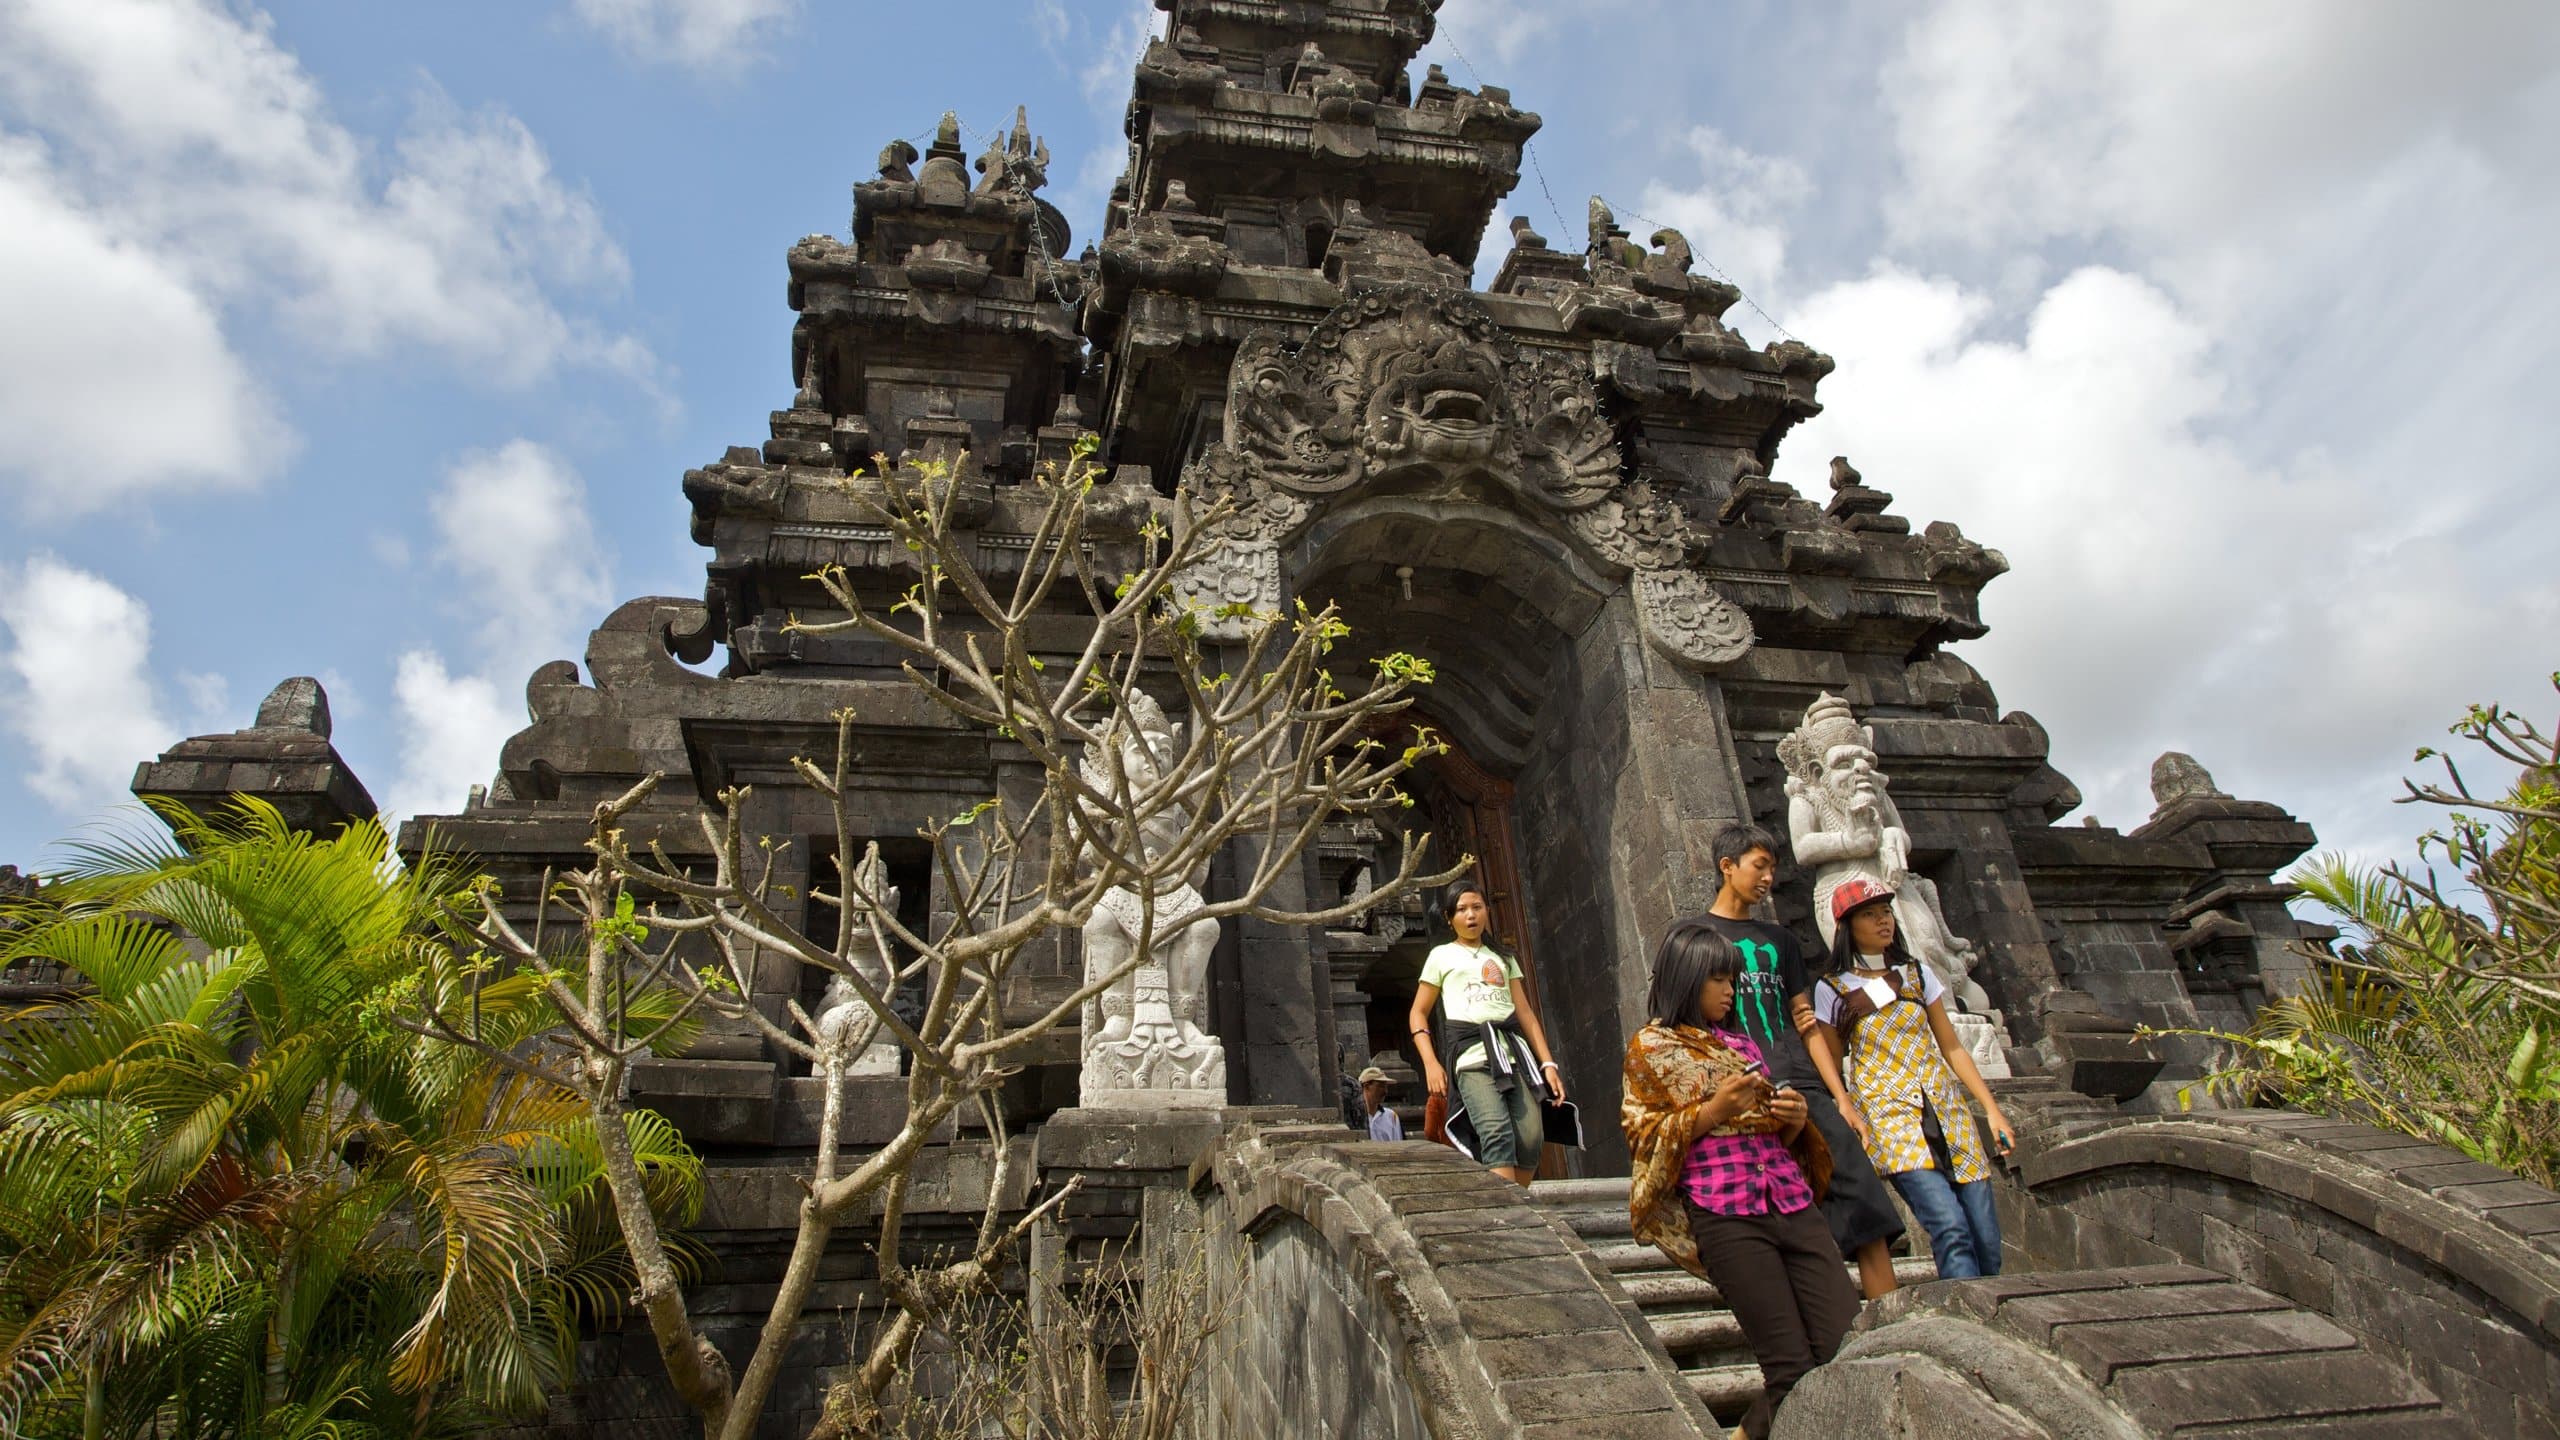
[1153,1067]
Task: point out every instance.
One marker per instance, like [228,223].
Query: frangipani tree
[1271,747]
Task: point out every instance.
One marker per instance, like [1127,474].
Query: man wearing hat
[1383,1124]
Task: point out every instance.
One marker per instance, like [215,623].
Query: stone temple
[1557,490]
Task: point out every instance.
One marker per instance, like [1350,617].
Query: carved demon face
[1849,773]
[1443,417]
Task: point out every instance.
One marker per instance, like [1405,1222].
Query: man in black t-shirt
[1773,973]
[1772,1003]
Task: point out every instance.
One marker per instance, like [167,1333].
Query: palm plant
[2438,1014]
[236,1200]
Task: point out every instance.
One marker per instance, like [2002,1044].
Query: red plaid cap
[1854,893]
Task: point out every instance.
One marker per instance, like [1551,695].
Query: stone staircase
[1686,1312]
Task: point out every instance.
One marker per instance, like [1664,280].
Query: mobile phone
[1756,1067]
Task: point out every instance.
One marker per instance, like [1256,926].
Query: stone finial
[2176,776]
[1523,235]
[1844,475]
[283,758]
[297,704]
[897,161]
[1600,219]
[1674,248]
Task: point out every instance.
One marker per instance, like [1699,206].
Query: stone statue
[1843,824]
[1146,1038]
[843,1020]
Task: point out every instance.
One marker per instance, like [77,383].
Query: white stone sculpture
[1842,823]
[843,1021]
[1146,1039]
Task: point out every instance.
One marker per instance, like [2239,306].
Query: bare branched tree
[1275,747]
[1043,1368]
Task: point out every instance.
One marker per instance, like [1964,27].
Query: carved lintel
[1686,619]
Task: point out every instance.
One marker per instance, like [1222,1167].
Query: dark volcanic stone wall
[2446,1268]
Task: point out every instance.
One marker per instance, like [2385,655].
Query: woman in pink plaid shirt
[1727,1172]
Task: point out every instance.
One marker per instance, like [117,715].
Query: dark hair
[1691,955]
[1450,897]
[1844,951]
[1737,840]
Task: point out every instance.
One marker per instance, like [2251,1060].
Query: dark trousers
[1784,1280]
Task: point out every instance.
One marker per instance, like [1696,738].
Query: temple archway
[1528,670]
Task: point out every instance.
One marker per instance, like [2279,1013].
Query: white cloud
[512,524]
[2183,122]
[1492,30]
[1736,218]
[101,326]
[2280,620]
[2248,519]
[451,727]
[703,34]
[75,683]
[208,698]
[513,531]
[191,176]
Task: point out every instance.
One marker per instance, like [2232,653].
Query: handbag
[1563,1120]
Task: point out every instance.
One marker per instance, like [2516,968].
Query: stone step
[1686,1332]
[1687,1314]
[1629,1257]
[1560,1194]
[1667,1286]
[1726,1390]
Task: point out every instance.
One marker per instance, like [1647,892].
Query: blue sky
[371,340]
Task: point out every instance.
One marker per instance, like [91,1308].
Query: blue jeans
[1964,1229]
[1509,1129]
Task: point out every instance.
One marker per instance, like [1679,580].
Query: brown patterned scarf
[1669,1073]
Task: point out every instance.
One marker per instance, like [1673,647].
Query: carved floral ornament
[1416,385]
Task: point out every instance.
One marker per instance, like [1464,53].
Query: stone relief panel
[1234,572]
[1416,385]
[1686,619]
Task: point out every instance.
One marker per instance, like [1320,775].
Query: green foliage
[2436,1017]
[237,1199]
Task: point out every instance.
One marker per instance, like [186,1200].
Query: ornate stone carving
[1842,823]
[843,1021]
[1146,1039]
[1233,572]
[1406,379]
[1635,528]
[1173,248]
[1684,617]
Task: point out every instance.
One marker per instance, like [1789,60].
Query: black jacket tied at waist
[1507,1055]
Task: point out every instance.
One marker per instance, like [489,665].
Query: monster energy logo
[1759,957]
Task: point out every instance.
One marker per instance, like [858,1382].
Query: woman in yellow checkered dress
[1905,1080]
